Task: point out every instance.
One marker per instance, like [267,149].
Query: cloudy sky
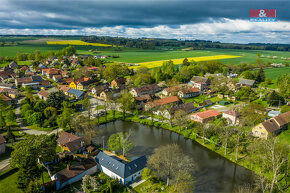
[217,20]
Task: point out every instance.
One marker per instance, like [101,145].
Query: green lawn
[284,137]
[8,182]
[35,127]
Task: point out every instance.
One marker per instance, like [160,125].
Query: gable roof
[190,90]
[64,88]
[77,93]
[145,97]
[75,170]
[270,125]
[147,88]
[164,101]
[2,140]
[120,167]
[72,142]
[232,113]
[199,79]
[207,114]
[44,93]
[246,81]
[283,119]
[185,107]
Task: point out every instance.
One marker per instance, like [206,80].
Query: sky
[216,20]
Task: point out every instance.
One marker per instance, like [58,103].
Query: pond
[213,174]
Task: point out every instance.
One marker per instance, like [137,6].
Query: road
[26,129]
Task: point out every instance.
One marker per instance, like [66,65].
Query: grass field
[274,73]
[159,63]
[76,42]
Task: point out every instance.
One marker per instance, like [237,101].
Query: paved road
[24,128]
[4,165]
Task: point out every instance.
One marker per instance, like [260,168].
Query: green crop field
[250,56]
[132,55]
[274,73]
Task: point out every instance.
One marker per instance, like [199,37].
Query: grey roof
[120,167]
[246,81]
[78,93]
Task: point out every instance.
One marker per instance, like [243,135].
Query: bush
[34,119]
[146,174]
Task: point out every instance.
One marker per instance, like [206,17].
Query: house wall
[111,174]
[260,131]
[133,177]
[232,118]
[2,148]
[78,177]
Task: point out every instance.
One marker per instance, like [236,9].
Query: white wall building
[116,168]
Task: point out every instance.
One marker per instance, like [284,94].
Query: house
[5,98]
[43,94]
[2,144]
[205,116]
[7,75]
[76,94]
[96,91]
[57,77]
[199,82]
[141,100]
[71,143]
[33,81]
[246,82]
[232,117]
[13,65]
[188,108]
[188,92]
[12,93]
[170,91]
[5,85]
[64,89]
[116,168]
[149,89]
[118,82]
[50,72]
[74,173]
[106,94]
[272,126]
[73,85]
[161,102]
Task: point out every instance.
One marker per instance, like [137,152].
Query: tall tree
[168,162]
[260,77]
[120,141]
[180,118]
[28,153]
[55,99]
[127,102]
[273,157]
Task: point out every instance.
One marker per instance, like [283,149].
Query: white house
[232,116]
[117,168]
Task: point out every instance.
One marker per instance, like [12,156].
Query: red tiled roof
[163,101]
[64,88]
[207,114]
[72,142]
[283,119]
[44,93]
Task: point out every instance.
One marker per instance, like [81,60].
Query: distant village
[200,100]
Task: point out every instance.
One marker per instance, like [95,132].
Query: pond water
[213,173]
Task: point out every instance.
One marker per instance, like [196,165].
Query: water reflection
[213,173]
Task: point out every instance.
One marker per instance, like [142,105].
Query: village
[68,97]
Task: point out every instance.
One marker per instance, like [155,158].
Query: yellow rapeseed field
[77,42]
[159,63]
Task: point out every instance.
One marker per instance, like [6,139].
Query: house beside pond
[115,167]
